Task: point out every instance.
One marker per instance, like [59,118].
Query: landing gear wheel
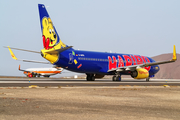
[90,77]
[147,79]
[116,78]
[47,76]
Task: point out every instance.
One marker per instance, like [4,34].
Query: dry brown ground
[90,103]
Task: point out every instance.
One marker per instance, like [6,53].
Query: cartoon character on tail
[50,37]
[49,34]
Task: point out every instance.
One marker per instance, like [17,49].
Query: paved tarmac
[90,103]
[103,99]
[44,82]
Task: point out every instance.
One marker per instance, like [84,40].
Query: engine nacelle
[140,73]
[30,75]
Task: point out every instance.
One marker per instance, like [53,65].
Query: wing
[133,67]
[14,57]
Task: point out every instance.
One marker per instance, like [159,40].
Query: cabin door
[71,58]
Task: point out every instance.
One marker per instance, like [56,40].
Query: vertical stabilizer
[51,39]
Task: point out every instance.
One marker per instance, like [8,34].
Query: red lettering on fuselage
[134,61]
[120,62]
[138,59]
[112,63]
[127,60]
[146,60]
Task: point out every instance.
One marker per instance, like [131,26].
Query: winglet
[19,67]
[12,54]
[174,54]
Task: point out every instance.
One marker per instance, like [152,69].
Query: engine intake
[140,73]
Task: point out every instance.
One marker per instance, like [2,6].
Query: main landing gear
[116,78]
[147,79]
[90,77]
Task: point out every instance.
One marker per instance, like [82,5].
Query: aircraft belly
[87,67]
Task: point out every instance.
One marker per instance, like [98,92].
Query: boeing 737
[93,64]
[46,72]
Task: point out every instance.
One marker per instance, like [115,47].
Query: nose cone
[156,69]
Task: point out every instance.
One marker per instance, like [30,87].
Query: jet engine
[140,73]
[30,75]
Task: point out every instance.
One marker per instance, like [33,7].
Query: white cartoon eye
[50,31]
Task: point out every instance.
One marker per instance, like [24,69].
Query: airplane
[46,72]
[93,64]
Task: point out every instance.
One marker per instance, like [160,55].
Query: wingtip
[174,53]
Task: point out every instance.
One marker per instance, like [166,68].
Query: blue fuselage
[100,62]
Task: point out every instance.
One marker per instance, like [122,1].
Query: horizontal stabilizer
[35,61]
[22,49]
[56,51]
[14,57]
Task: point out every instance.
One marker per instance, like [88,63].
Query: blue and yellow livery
[93,64]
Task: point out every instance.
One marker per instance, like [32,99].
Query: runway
[78,98]
[54,82]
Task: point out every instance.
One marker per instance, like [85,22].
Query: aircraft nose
[157,68]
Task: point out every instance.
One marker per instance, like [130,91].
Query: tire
[114,78]
[90,77]
[147,79]
[47,76]
[118,78]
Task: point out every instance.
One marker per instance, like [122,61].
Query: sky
[143,27]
